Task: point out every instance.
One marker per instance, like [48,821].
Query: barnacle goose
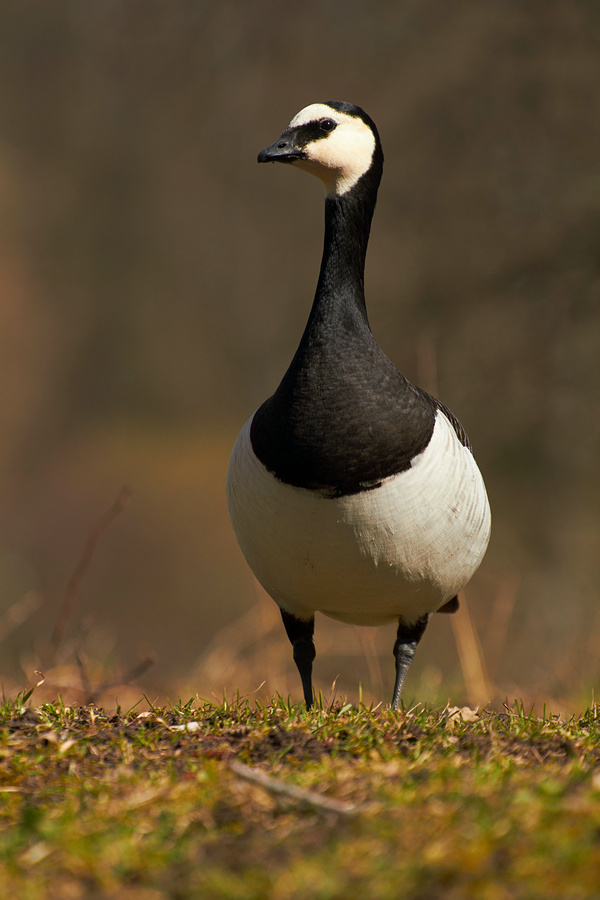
[351,491]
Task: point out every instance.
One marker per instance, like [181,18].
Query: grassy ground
[248,801]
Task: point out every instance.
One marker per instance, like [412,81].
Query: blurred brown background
[155,282]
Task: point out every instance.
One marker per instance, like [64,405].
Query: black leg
[404,652]
[300,633]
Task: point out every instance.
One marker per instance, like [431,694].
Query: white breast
[402,549]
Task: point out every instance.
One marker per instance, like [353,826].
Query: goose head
[338,142]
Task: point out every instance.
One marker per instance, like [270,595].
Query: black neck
[340,289]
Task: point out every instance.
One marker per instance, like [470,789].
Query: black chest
[343,418]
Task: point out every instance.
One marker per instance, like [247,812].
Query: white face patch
[343,156]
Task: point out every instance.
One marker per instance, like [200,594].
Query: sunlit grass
[426,802]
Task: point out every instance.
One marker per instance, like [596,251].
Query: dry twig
[74,583]
[472,663]
[135,672]
[310,799]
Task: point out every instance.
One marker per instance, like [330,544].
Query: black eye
[327,125]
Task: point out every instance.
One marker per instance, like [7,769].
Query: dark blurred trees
[155,280]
